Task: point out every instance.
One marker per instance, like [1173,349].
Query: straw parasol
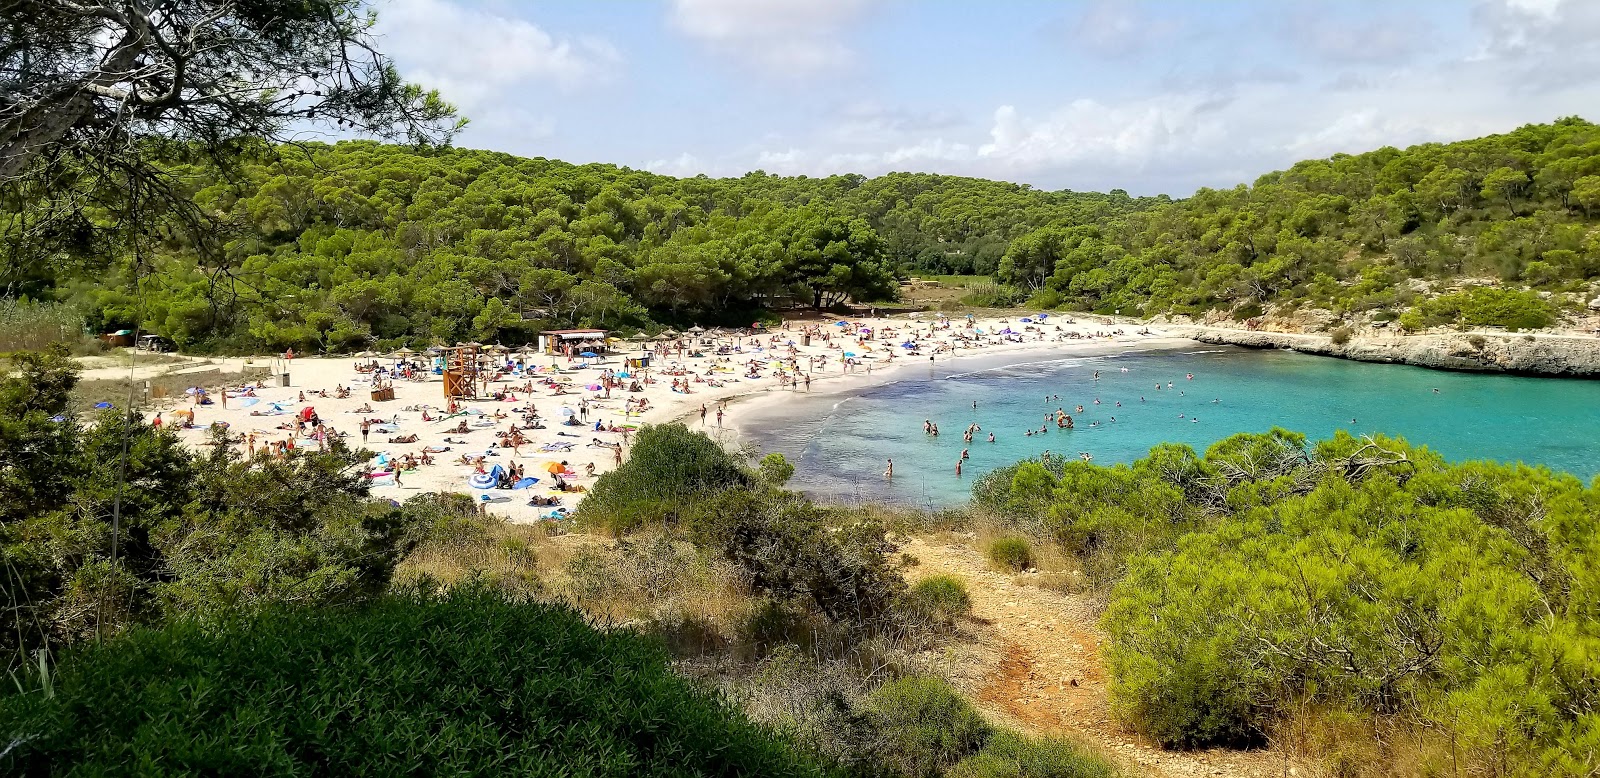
[497,348]
[367,354]
[404,352]
[697,329]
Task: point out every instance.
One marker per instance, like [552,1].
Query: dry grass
[162,387]
[1342,745]
[517,556]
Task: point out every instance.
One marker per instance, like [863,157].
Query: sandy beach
[713,370]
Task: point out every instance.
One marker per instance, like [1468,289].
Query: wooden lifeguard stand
[461,371]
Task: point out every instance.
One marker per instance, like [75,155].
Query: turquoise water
[839,442]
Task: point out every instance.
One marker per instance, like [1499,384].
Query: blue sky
[1143,95]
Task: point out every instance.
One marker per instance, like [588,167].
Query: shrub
[671,467]
[1477,341]
[939,599]
[464,683]
[1341,336]
[1009,755]
[924,727]
[1010,553]
[1247,311]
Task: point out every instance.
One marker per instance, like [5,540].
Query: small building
[556,341]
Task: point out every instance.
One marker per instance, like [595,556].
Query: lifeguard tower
[461,371]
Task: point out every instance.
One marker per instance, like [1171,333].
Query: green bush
[923,726]
[1010,553]
[1341,336]
[1488,306]
[1009,755]
[669,469]
[939,599]
[467,683]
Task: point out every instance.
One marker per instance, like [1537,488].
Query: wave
[1062,363]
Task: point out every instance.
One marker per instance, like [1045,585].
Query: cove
[839,442]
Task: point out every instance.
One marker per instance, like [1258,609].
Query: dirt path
[1041,669]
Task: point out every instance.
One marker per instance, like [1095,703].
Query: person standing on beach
[366,427]
[702,414]
[719,416]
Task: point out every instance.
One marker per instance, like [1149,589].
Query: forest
[338,247]
[362,244]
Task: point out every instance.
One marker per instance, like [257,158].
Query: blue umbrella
[102,406]
[481,481]
[908,344]
[588,354]
[1026,320]
[1041,316]
[524,483]
[849,353]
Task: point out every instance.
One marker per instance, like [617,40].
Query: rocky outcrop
[1534,354]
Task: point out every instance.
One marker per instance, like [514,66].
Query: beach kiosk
[555,342]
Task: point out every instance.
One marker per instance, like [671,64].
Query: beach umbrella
[593,387]
[849,353]
[1026,320]
[102,405]
[555,467]
[908,344]
[366,354]
[480,481]
[524,483]
[405,351]
[568,412]
[1041,316]
[588,354]
[841,324]
[697,329]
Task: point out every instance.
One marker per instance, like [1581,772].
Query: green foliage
[1011,554]
[1009,755]
[1481,306]
[775,470]
[669,468]
[1342,233]
[1360,575]
[1341,336]
[193,535]
[923,726]
[939,599]
[462,683]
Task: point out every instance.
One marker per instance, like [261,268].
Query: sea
[840,439]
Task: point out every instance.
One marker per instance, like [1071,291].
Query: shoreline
[1539,354]
[746,375]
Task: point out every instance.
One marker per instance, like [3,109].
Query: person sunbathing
[424,458]
[412,438]
[365,408]
[462,428]
[545,501]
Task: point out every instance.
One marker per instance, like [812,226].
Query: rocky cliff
[1537,354]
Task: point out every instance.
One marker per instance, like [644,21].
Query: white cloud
[474,56]
[792,38]
[1120,28]
[684,165]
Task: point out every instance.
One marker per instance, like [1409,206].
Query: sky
[1148,96]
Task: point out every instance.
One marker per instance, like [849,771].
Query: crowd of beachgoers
[542,426]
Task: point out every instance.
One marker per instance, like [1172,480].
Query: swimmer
[1180,415]
[1194,421]
[1119,403]
[1218,400]
[958,468]
[1191,376]
[888,470]
[1141,398]
[1435,390]
[991,437]
[1113,420]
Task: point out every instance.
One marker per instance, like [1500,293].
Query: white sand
[1058,335]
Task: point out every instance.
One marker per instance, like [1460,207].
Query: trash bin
[283,379]
[805,340]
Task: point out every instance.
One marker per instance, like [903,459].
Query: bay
[839,441]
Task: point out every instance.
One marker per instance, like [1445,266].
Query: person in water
[888,469]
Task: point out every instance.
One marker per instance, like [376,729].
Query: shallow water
[839,442]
